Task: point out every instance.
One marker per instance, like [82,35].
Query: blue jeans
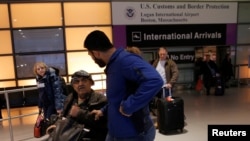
[146,136]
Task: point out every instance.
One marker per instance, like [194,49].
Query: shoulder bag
[40,126]
[67,130]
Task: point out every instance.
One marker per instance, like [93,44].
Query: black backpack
[63,82]
[64,86]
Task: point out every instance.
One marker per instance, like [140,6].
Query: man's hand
[168,85]
[97,113]
[59,112]
[121,111]
[169,98]
[74,110]
[40,111]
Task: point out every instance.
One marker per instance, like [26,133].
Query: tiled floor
[200,111]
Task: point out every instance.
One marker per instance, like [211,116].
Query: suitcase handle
[164,93]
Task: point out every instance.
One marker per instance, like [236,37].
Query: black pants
[209,82]
[1,106]
[1,116]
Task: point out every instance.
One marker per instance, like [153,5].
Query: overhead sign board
[176,35]
[153,13]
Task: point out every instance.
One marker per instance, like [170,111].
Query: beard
[100,62]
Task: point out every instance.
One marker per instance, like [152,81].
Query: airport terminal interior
[58,41]
[200,111]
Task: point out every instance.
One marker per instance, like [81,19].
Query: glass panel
[243,35]
[25,63]
[99,76]
[75,36]
[5,42]
[82,61]
[186,76]
[242,54]
[36,14]
[243,13]
[100,81]
[242,72]
[99,85]
[78,13]
[6,84]
[148,56]
[4,16]
[37,40]
[8,64]
[28,82]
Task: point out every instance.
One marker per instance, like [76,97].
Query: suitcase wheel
[166,132]
[181,130]
[163,132]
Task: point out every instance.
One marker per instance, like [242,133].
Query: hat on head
[81,73]
[97,40]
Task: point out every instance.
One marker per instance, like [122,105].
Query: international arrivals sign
[176,35]
[151,24]
[154,13]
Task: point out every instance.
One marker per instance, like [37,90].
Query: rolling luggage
[170,114]
[219,86]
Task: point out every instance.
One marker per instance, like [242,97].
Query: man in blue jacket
[131,84]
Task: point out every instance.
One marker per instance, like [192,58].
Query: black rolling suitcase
[219,86]
[170,114]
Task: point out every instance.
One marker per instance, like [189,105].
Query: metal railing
[6,93]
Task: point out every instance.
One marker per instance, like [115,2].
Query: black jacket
[98,128]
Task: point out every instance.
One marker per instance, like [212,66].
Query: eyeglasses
[41,68]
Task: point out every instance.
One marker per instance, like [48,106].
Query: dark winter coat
[98,128]
[50,89]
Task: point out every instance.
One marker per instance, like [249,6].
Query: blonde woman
[135,50]
[50,89]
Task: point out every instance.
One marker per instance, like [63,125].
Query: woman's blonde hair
[134,50]
[39,64]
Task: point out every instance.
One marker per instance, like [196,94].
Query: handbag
[67,130]
[213,72]
[199,85]
[40,126]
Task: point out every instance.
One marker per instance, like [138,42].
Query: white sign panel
[153,13]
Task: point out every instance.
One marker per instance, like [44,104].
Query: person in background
[135,50]
[198,80]
[50,89]
[197,71]
[131,84]
[1,104]
[227,69]
[168,70]
[153,102]
[209,70]
[82,101]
